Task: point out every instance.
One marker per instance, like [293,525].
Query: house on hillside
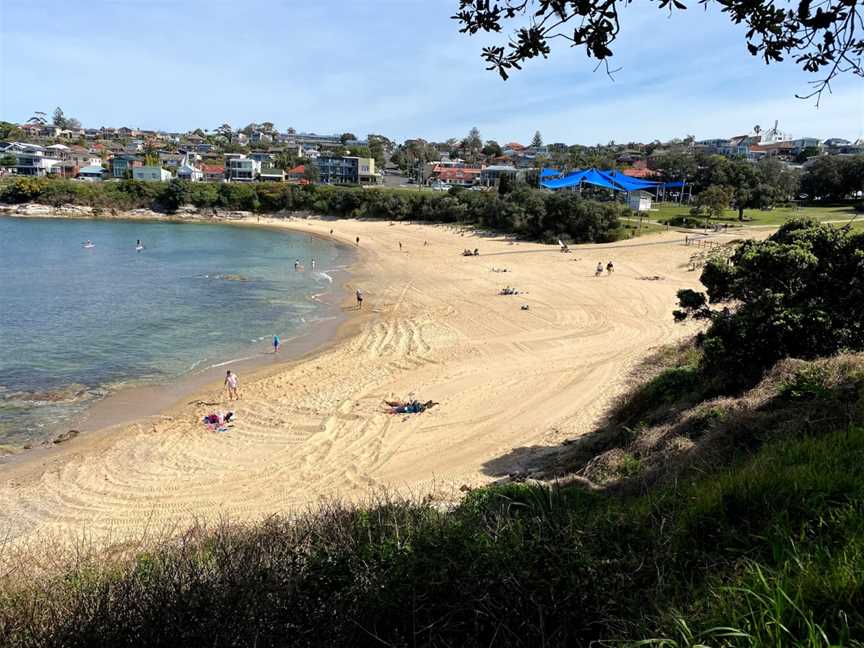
[151,174]
[30,131]
[213,172]
[31,159]
[297,175]
[640,169]
[342,169]
[121,166]
[240,168]
[459,176]
[492,174]
[260,137]
[83,157]
[271,174]
[188,170]
[91,173]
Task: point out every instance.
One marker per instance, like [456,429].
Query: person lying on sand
[217,421]
[409,406]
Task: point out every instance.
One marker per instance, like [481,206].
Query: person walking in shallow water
[232,385]
[276,343]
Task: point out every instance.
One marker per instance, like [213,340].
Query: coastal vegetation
[718,503]
[524,211]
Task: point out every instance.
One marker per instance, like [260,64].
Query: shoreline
[144,402]
[512,385]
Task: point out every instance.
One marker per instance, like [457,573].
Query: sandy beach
[510,382]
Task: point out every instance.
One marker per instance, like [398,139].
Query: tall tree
[472,145]
[491,148]
[347,137]
[59,119]
[824,40]
[38,118]
[378,144]
[537,140]
[226,131]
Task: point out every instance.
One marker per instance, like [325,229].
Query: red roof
[639,173]
[516,146]
[212,168]
[297,170]
[457,173]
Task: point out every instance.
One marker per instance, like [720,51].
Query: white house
[239,168]
[31,159]
[188,170]
[151,174]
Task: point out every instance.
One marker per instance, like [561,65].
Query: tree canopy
[537,140]
[798,294]
[821,38]
[832,177]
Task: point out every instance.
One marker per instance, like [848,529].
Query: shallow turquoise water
[76,323]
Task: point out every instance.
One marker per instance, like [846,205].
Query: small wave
[326,276]
[196,364]
[227,362]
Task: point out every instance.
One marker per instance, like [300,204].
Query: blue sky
[397,67]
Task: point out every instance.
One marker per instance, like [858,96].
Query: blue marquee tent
[609,179]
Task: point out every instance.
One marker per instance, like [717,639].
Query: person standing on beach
[599,269]
[359,300]
[357,241]
[276,343]
[400,246]
[232,385]
[609,268]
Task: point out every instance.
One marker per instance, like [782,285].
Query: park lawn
[776,216]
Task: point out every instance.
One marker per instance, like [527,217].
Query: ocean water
[76,323]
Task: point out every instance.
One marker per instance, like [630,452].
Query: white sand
[433,325]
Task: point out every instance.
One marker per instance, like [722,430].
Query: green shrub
[799,294]
[528,212]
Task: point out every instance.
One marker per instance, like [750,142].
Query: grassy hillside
[756,538]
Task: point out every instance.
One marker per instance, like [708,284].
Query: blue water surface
[76,323]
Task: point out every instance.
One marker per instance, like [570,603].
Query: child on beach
[609,268]
[232,384]
[276,343]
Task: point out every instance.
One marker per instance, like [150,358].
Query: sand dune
[433,325]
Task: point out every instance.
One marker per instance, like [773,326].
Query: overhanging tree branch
[822,36]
